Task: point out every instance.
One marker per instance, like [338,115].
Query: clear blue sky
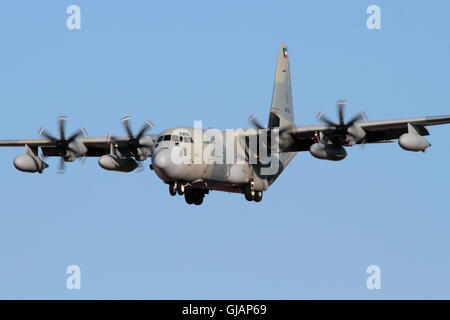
[318,227]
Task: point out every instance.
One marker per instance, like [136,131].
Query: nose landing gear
[176,187]
[173,188]
[180,189]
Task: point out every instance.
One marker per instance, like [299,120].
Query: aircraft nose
[161,158]
[164,164]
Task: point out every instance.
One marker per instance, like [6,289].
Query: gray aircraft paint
[219,176]
[231,177]
[282,109]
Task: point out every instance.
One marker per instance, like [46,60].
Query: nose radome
[162,159]
[166,166]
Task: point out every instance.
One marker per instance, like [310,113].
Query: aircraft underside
[194,192]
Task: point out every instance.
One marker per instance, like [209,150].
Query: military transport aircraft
[251,176]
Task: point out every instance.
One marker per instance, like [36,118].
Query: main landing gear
[192,196]
[251,194]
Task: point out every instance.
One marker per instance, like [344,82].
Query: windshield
[183,137]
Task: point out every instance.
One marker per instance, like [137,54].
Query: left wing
[96,146]
[378,131]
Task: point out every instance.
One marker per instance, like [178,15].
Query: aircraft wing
[96,146]
[378,131]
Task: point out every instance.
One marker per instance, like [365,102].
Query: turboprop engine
[139,146]
[331,141]
[116,163]
[67,148]
[327,152]
[342,133]
[355,134]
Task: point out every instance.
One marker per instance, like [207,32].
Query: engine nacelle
[413,142]
[357,134]
[142,154]
[114,163]
[29,163]
[77,149]
[327,152]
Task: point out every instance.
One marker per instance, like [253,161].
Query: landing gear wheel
[180,189]
[258,196]
[198,196]
[249,192]
[188,196]
[173,188]
[249,196]
[194,196]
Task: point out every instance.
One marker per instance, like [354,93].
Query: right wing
[96,146]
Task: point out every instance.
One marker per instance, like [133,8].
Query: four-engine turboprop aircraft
[191,160]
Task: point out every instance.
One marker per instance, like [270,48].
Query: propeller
[133,142]
[253,121]
[62,144]
[338,132]
[283,138]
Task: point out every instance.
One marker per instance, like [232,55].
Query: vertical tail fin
[282,111]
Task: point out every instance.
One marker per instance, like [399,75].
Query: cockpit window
[183,137]
[186,137]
